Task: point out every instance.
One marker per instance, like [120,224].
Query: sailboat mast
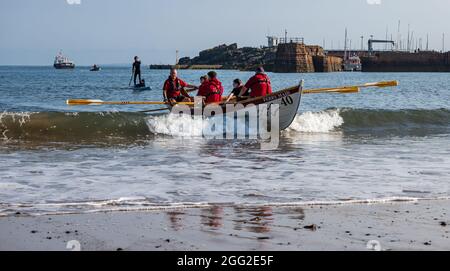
[345,45]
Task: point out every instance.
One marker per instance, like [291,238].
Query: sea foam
[317,122]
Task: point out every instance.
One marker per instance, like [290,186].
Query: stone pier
[301,58]
[291,57]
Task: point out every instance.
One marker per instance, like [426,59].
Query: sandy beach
[419,225]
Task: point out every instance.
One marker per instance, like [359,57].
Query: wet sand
[394,226]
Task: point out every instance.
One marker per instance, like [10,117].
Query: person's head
[173,73]
[212,74]
[136,58]
[203,79]
[259,70]
[237,83]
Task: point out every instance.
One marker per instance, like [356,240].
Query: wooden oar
[351,89]
[100,102]
[331,90]
[154,110]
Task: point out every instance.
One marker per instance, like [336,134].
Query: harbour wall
[425,61]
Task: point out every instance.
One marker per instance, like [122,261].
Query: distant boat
[62,62]
[352,64]
[95,68]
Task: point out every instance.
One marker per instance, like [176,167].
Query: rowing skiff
[288,100]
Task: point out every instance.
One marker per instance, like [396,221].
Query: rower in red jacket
[174,89]
[202,89]
[214,89]
[259,84]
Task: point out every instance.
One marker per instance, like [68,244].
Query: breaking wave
[106,126]
[373,121]
[317,122]
[60,126]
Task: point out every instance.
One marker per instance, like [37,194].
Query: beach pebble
[312,227]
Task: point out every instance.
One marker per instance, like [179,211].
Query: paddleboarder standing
[136,69]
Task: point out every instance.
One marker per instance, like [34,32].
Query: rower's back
[259,84]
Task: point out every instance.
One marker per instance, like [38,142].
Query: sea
[379,145]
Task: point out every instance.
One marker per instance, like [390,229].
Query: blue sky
[112,31]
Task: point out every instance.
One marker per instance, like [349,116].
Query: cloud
[374,2]
[73,2]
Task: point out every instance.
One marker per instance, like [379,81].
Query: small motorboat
[352,64]
[95,68]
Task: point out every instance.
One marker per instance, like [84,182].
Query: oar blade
[83,102]
[383,84]
[332,90]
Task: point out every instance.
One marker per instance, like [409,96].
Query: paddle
[100,102]
[131,79]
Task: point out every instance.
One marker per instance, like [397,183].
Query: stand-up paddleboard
[140,88]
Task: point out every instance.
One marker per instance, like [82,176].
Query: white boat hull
[288,102]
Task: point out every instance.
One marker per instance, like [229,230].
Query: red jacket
[203,89]
[260,85]
[214,91]
[173,87]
